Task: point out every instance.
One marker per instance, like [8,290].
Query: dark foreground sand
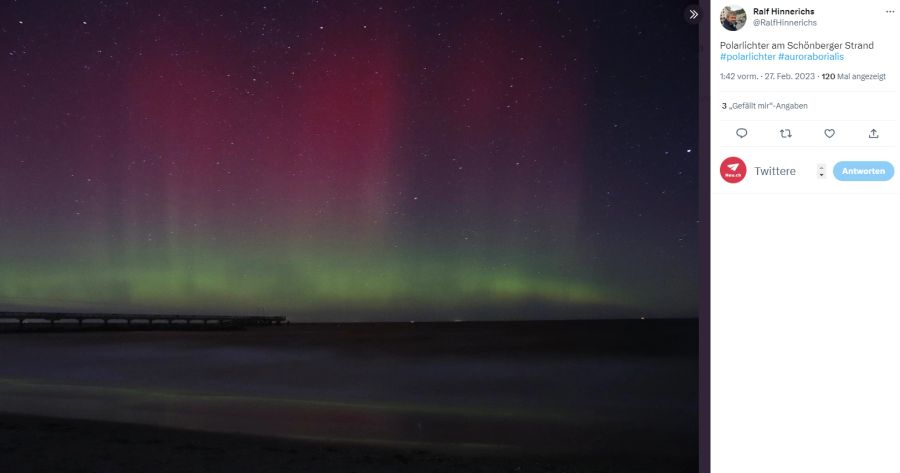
[35,444]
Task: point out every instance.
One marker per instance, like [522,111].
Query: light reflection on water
[279,384]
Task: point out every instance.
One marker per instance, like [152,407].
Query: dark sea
[589,388]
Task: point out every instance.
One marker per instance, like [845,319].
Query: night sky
[450,159]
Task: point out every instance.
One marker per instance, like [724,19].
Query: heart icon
[829,132]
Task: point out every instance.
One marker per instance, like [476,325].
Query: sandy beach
[36,444]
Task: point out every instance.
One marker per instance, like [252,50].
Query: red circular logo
[733,170]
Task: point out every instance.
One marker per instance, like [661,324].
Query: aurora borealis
[447,159]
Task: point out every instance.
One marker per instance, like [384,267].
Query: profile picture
[733,17]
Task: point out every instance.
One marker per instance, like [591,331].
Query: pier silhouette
[136,320]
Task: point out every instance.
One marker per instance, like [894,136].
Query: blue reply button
[863,171]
